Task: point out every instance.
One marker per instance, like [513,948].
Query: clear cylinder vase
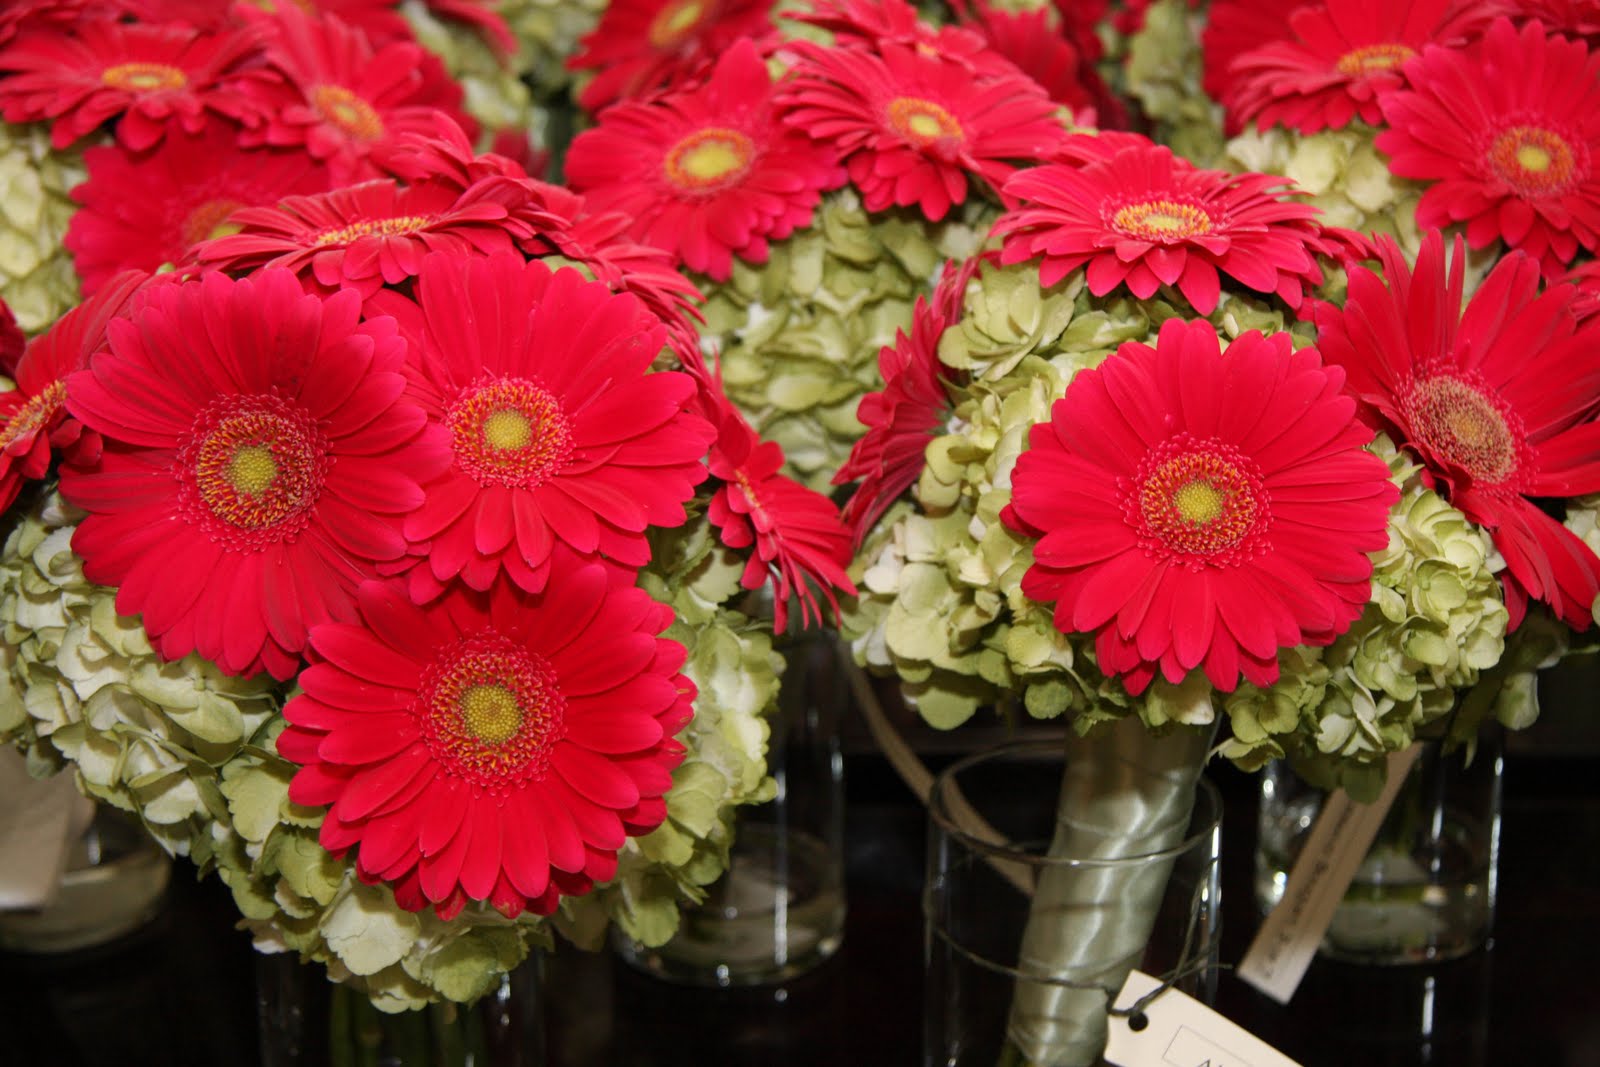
[1426,890]
[307,1021]
[992,821]
[779,909]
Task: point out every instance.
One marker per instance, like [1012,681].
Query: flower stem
[1125,792]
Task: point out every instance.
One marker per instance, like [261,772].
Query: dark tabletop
[181,991]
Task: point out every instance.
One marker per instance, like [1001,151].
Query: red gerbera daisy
[342,97]
[707,173]
[1198,507]
[499,747]
[1586,276]
[257,457]
[36,427]
[911,126]
[797,534]
[913,406]
[1145,218]
[482,16]
[1498,400]
[870,24]
[149,75]
[641,46]
[143,210]
[1034,42]
[560,434]
[1338,60]
[57,15]
[12,341]
[1234,27]
[1570,18]
[1509,135]
[368,235]
[379,21]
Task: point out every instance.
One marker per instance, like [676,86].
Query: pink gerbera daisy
[912,408]
[1034,43]
[1570,18]
[368,235]
[499,748]
[36,427]
[1145,218]
[1338,60]
[1234,27]
[706,173]
[143,210]
[641,46]
[341,97]
[800,544]
[12,341]
[559,433]
[1201,508]
[258,456]
[911,127]
[1508,133]
[1498,399]
[147,76]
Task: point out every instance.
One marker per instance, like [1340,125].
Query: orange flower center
[1533,160]
[1162,220]
[144,77]
[1201,500]
[510,432]
[709,159]
[34,415]
[1466,426]
[491,712]
[676,21]
[922,122]
[347,111]
[210,220]
[1373,59]
[256,466]
[398,226]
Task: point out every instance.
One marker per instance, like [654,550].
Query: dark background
[182,991]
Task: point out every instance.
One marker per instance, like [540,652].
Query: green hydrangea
[941,603]
[37,279]
[800,334]
[82,684]
[547,33]
[1163,71]
[495,93]
[1436,622]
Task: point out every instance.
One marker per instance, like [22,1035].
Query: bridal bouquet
[386,551]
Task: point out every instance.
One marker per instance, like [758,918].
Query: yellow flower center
[257,467]
[347,111]
[144,77]
[1533,161]
[1198,500]
[1162,220]
[923,122]
[709,159]
[510,432]
[676,21]
[34,415]
[1372,58]
[490,711]
[398,226]
[1463,425]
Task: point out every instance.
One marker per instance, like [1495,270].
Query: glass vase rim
[1053,750]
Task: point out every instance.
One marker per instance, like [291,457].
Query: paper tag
[38,824]
[1179,1031]
[1339,839]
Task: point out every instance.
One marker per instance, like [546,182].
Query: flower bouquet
[386,552]
[1111,476]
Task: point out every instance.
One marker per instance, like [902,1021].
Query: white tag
[1179,1031]
[1282,950]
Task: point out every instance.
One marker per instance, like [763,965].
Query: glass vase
[307,1021]
[992,818]
[779,909]
[1426,889]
